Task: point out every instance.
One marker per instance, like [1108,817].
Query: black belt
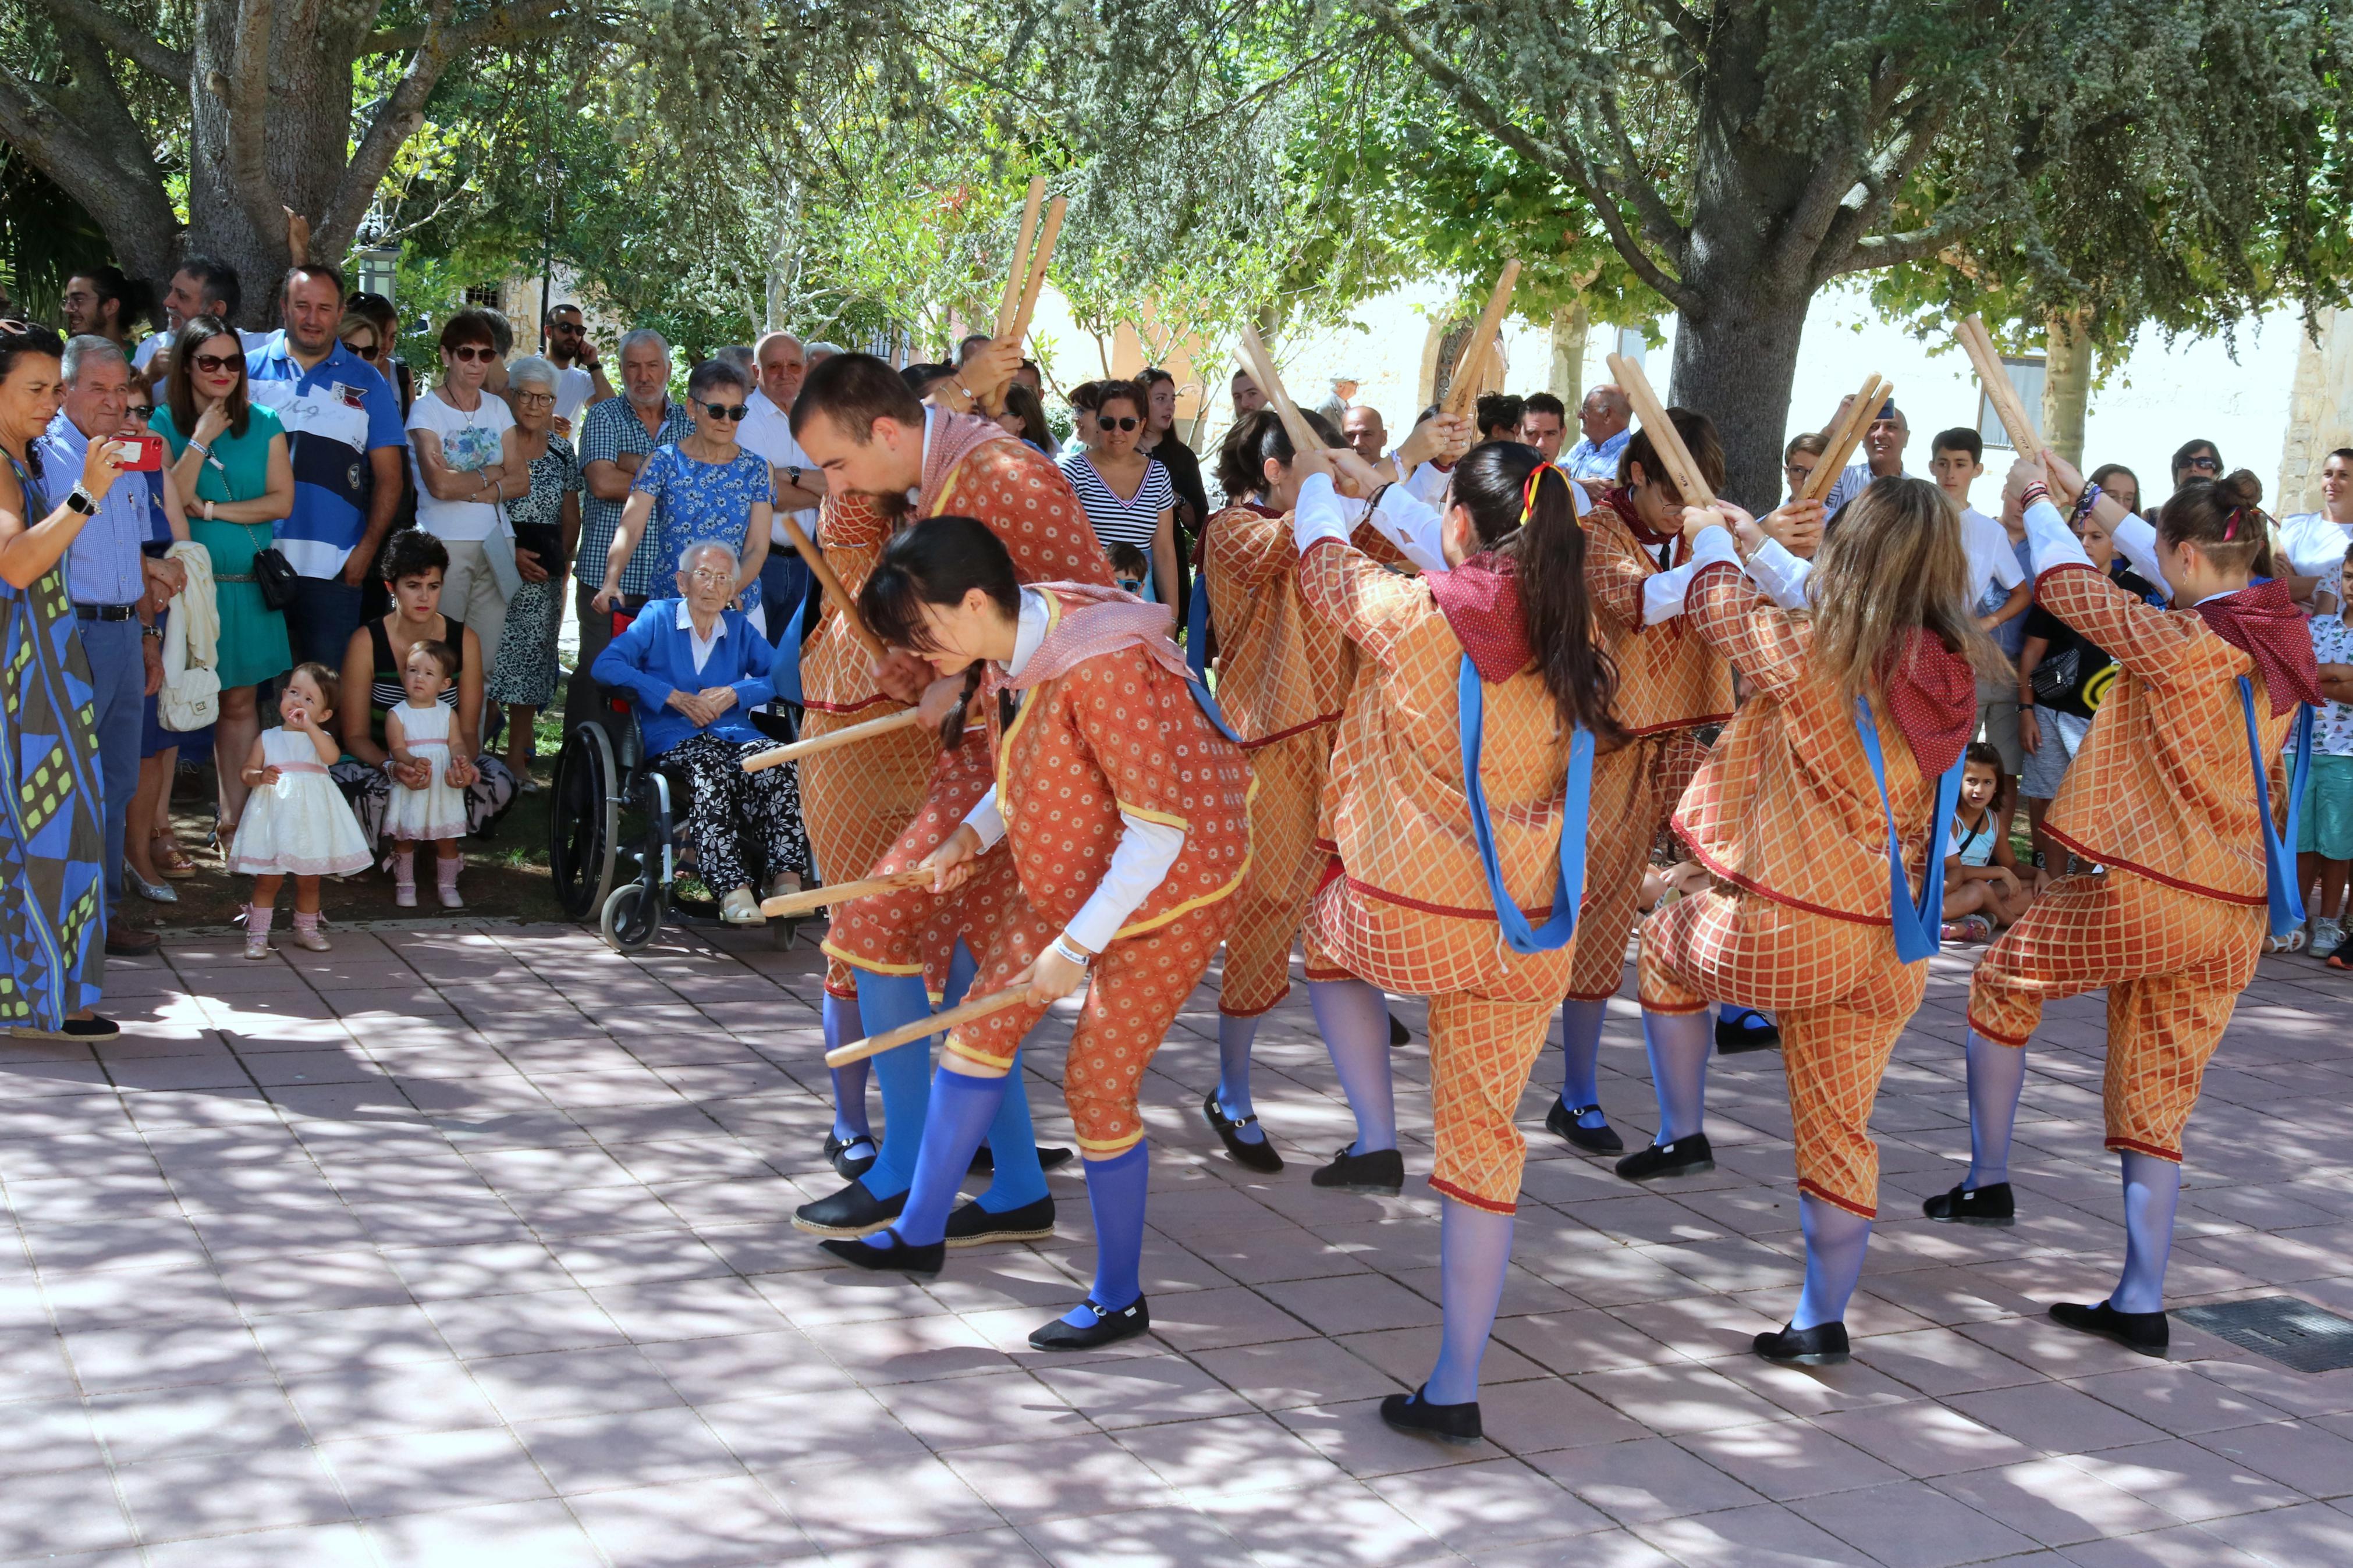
[105,611]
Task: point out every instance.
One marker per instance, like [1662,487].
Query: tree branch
[1475,105]
[499,25]
[69,142]
[1659,221]
[1688,32]
[243,93]
[395,120]
[134,44]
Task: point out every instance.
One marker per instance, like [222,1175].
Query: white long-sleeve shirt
[1664,592]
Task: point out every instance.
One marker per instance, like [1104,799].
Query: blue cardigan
[656,656]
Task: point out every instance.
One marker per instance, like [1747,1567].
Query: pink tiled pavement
[471,1244]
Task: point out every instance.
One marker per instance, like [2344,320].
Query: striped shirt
[1117,519]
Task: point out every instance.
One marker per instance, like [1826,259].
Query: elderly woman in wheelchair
[694,669]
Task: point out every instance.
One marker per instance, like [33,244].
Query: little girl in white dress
[296,823]
[418,735]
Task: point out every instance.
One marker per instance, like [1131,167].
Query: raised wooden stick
[809,898]
[1665,439]
[1465,388]
[1846,431]
[937,1024]
[1030,276]
[777,756]
[1038,264]
[835,593]
[1262,368]
[1995,378]
[1016,277]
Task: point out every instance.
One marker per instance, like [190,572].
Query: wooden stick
[1016,277]
[922,1028]
[809,898]
[777,756]
[1977,343]
[1665,439]
[1463,389]
[1262,368]
[1845,432]
[836,594]
[1044,259]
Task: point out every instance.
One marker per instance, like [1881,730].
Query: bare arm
[275,500]
[634,518]
[2020,597]
[443,482]
[610,480]
[30,549]
[1164,555]
[755,545]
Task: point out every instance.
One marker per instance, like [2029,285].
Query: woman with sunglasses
[1128,496]
[461,442]
[230,456]
[706,488]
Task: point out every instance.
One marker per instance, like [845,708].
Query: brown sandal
[171,860]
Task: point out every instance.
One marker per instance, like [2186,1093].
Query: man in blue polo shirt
[342,422]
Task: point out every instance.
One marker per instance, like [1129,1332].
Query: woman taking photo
[462,441]
[230,456]
[51,840]
[705,489]
[546,524]
[1128,497]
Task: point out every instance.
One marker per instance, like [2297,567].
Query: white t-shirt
[2315,546]
[573,387]
[1992,562]
[470,442]
[768,430]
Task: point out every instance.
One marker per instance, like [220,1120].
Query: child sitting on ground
[1982,890]
[296,823]
[428,777]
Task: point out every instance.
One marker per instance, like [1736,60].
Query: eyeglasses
[474,352]
[720,410]
[1105,422]
[216,365]
[536,399]
[711,576]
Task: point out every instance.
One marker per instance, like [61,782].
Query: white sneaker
[739,908]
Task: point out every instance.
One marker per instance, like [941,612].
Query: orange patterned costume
[2162,794]
[1406,905]
[1118,732]
[972,468]
[1786,816]
[1669,683]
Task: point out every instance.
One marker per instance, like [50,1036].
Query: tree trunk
[1736,358]
[1568,333]
[2067,383]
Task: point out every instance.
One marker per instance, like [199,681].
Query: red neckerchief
[1617,499]
[1481,603]
[1262,510]
[1931,693]
[2262,623]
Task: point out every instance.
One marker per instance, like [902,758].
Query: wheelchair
[617,830]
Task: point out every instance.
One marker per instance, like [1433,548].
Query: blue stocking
[849,1083]
[1996,1072]
[1234,1038]
[1678,1043]
[1836,1239]
[904,1075]
[1355,1019]
[2152,1188]
[1116,1194]
[962,1106]
[1012,1137]
[1580,1056]
[1474,1247]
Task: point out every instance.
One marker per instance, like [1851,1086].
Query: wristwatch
[793,469]
[79,500]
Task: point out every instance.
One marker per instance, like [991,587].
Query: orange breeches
[856,800]
[1284,862]
[1836,990]
[1490,1010]
[2173,963]
[1135,988]
[1635,789]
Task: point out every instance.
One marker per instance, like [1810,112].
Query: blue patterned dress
[52,946]
[700,503]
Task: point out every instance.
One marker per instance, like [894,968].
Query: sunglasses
[2208,464]
[216,365]
[720,410]
[365,350]
[1105,422]
[473,352]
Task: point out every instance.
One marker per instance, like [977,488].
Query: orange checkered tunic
[2162,794]
[1409,907]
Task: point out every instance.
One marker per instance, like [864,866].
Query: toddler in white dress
[428,778]
[296,823]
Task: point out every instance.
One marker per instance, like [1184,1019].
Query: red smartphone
[147,452]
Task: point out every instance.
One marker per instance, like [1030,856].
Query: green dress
[253,642]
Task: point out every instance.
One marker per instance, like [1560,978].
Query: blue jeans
[321,619]
[784,582]
[118,674]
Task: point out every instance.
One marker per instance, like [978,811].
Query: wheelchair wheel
[631,917]
[583,809]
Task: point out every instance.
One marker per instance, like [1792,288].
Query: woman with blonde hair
[1822,806]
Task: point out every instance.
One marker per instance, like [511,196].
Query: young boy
[2324,835]
[2001,593]
[1982,888]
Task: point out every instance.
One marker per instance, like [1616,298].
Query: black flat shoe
[972,1224]
[1561,1122]
[1382,1170]
[1824,1344]
[984,1162]
[1965,1205]
[1108,1328]
[1447,1423]
[2147,1332]
[1732,1038]
[853,1210]
[1258,1156]
[1684,1157]
[82,1030]
[1398,1033]
[900,1256]
[852,1157]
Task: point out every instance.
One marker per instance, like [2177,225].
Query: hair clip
[2231,529]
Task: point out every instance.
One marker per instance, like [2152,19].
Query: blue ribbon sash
[2280,880]
[1576,809]
[1919,927]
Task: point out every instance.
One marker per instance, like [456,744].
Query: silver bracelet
[1071,955]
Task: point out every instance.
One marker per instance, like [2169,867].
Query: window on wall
[2026,379]
[487,296]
